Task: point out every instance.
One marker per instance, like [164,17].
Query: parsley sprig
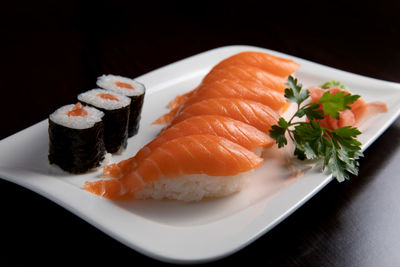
[332,83]
[339,149]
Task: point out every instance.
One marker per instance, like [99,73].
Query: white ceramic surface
[190,232]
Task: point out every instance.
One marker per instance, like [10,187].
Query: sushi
[236,131]
[187,168]
[277,66]
[116,108]
[246,90]
[130,88]
[247,73]
[76,138]
[238,89]
[254,113]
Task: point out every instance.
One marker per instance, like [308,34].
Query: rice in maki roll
[130,88]
[76,142]
[116,108]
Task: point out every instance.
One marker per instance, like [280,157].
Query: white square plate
[189,232]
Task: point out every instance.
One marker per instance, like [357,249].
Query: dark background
[53,50]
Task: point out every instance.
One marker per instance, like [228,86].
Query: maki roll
[116,108]
[76,138]
[130,88]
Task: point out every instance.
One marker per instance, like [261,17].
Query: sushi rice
[60,116]
[193,187]
[92,97]
[121,85]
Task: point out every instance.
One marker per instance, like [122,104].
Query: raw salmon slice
[237,73]
[194,154]
[232,89]
[238,89]
[254,113]
[276,65]
[236,131]
[247,73]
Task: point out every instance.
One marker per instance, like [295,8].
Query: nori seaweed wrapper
[135,114]
[76,150]
[115,128]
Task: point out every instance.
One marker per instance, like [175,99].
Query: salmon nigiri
[237,73]
[360,109]
[236,131]
[276,65]
[238,89]
[254,113]
[233,89]
[247,73]
[212,158]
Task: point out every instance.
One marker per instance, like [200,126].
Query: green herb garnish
[339,149]
[334,84]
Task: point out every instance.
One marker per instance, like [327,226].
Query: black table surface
[51,51]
